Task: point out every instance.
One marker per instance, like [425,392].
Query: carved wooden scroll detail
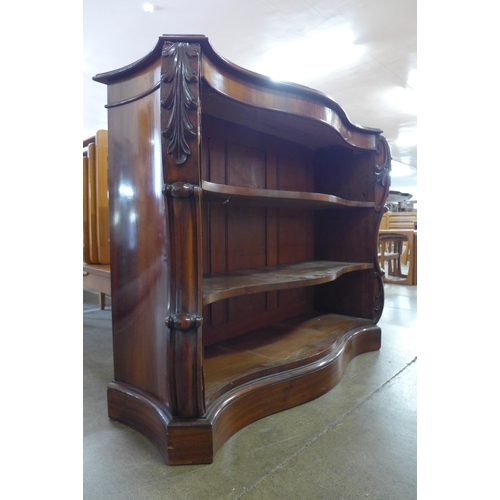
[179,97]
[378,297]
[382,174]
[382,185]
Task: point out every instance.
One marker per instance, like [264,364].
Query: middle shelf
[251,196]
[265,279]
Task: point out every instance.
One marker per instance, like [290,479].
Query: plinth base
[196,441]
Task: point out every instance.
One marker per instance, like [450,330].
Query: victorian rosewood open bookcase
[243,240]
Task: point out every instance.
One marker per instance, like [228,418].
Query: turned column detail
[180,128]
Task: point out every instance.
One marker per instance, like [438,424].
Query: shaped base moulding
[196,441]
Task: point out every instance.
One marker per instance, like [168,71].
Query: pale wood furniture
[390,251]
[96,258]
[400,220]
[401,236]
[244,268]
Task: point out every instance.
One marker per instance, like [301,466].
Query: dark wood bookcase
[243,240]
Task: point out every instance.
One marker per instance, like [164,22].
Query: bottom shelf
[276,348]
[247,378]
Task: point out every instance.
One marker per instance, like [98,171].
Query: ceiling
[361,53]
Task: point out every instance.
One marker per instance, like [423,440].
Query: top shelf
[221,193]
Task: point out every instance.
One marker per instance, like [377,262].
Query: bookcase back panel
[238,156]
[345,235]
[242,237]
[237,238]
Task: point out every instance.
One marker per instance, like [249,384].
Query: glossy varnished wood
[236,93]
[138,238]
[294,342]
[243,245]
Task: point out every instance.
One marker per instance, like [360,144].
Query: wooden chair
[390,251]
[401,220]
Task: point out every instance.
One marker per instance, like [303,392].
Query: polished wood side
[138,237]
[244,228]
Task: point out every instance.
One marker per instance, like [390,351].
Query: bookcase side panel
[352,294]
[139,276]
[345,172]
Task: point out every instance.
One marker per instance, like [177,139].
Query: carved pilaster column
[180,122]
[382,185]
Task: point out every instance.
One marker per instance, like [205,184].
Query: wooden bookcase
[243,233]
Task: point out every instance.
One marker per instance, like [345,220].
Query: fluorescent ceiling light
[399,169]
[405,98]
[412,79]
[306,58]
[407,138]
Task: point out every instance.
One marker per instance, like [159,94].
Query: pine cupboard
[243,244]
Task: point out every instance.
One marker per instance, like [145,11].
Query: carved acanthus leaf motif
[180,72]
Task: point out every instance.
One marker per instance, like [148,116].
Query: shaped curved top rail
[251,90]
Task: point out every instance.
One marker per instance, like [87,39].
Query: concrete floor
[359,441]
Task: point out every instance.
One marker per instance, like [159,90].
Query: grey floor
[359,441]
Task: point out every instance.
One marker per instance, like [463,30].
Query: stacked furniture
[96,258]
[401,220]
[244,268]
